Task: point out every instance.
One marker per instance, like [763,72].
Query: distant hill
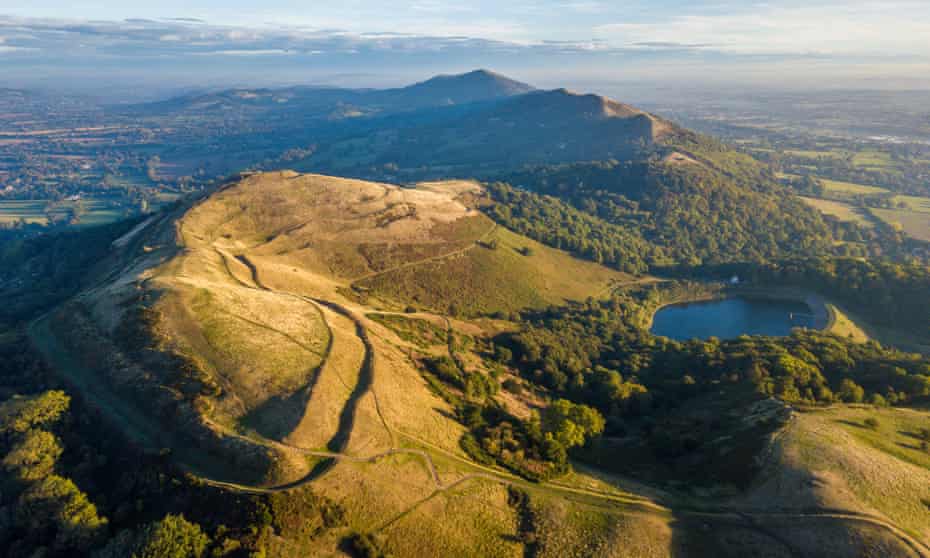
[473,87]
[539,127]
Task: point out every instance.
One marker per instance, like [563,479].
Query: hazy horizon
[109,48]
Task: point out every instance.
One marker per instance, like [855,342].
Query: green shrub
[365,545]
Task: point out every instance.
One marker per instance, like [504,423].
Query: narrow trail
[471,246]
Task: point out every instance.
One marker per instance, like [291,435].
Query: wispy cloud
[547,38]
[853,27]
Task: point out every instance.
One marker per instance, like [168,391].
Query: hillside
[283,261]
[291,333]
[333,102]
[532,128]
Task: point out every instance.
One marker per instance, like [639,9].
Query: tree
[850,391]
[172,537]
[502,354]
[34,457]
[19,415]
[571,424]
[56,503]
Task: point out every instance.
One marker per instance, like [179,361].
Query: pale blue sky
[546,40]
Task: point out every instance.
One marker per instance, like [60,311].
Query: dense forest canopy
[690,213]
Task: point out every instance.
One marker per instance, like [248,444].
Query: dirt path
[416,263]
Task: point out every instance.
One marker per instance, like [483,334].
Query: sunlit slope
[247,310]
[854,459]
[425,247]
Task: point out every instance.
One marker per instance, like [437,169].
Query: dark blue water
[730,318]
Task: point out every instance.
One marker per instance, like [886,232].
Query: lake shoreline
[822,314]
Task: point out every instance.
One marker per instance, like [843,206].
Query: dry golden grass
[567,530]
[471,520]
[333,386]
[844,326]
[830,459]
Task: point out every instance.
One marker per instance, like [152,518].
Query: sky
[150,47]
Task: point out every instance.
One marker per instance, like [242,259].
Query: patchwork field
[914,203]
[915,224]
[818,154]
[93,211]
[838,186]
[879,160]
[840,210]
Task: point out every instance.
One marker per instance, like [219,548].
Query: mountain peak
[476,85]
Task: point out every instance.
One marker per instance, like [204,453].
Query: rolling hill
[478,86]
[434,358]
[532,128]
[290,331]
[255,311]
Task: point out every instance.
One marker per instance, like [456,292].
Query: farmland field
[97,211]
[814,154]
[839,186]
[914,203]
[30,211]
[915,224]
[873,159]
[840,210]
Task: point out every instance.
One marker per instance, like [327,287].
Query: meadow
[96,211]
[840,210]
[915,224]
[841,187]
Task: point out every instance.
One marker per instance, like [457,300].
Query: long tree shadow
[340,440]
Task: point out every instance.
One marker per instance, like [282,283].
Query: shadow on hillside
[366,376]
[279,416]
[852,423]
[698,533]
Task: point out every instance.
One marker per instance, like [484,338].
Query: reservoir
[732,317]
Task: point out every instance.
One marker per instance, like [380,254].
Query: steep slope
[833,459]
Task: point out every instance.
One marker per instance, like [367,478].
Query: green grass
[914,203]
[413,330]
[484,280]
[878,468]
[873,159]
[915,224]
[96,211]
[842,187]
[897,432]
[816,154]
[840,210]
